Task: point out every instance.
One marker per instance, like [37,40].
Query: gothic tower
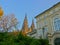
[32,26]
[25,26]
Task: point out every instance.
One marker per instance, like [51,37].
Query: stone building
[48,24]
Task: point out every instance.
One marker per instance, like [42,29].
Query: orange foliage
[1,12]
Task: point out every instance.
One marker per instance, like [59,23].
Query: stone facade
[46,27]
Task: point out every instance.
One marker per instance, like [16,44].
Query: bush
[8,39]
[35,42]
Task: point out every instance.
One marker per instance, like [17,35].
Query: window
[57,24]
[45,21]
[45,31]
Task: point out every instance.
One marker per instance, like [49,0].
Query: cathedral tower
[32,26]
[25,25]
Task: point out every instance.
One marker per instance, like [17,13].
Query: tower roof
[32,25]
[25,15]
[25,25]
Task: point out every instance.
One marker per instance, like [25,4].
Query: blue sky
[31,7]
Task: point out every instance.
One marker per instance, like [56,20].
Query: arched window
[57,24]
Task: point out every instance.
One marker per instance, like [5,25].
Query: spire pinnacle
[33,26]
[25,15]
[32,21]
[25,25]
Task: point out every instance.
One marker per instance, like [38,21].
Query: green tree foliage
[8,39]
[35,42]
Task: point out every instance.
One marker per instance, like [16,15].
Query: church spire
[25,25]
[25,16]
[33,26]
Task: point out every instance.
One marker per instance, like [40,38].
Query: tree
[35,42]
[8,23]
[6,39]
